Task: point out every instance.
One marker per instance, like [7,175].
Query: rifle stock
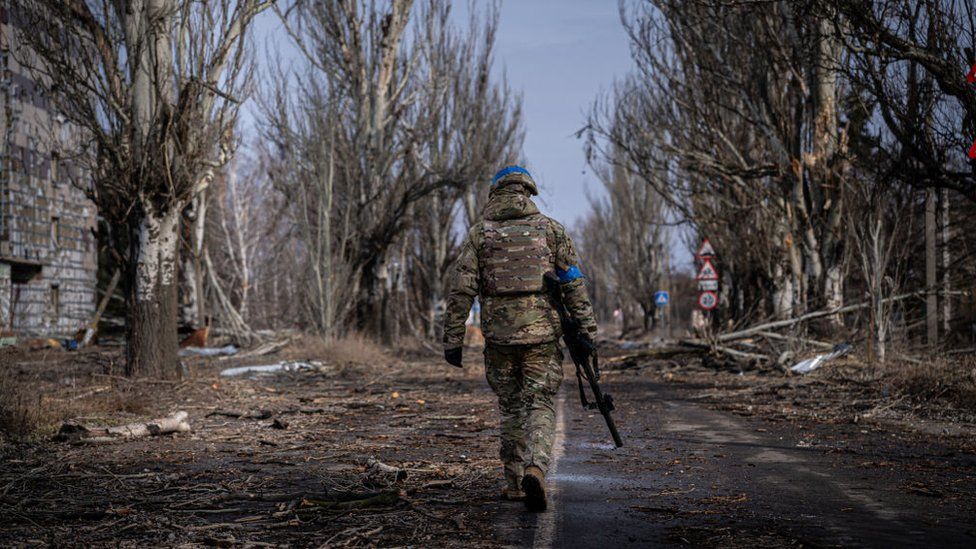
[583,352]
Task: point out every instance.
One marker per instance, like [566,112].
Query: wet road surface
[693,476]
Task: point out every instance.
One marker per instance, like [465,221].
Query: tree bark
[946,260]
[152,343]
[931,267]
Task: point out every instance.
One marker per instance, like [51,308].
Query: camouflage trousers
[526,379]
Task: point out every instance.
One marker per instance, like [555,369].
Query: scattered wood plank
[92,329]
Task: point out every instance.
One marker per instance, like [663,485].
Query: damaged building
[48,253]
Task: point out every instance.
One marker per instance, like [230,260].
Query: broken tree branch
[810,316]
[73,432]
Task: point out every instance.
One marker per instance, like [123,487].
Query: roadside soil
[247,482]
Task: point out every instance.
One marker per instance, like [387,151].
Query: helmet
[515,174]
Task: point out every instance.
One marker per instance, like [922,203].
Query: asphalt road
[693,476]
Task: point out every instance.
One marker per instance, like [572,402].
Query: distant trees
[377,146]
[152,88]
[625,243]
[799,137]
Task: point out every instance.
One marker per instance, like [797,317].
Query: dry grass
[20,411]
[31,407]
[952,381]
[352,349]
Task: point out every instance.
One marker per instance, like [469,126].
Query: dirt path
[690,475]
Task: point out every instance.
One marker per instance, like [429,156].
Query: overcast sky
[559,54]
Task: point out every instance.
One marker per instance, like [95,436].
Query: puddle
[569,477]
[597,445]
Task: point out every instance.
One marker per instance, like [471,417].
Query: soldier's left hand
[453,356]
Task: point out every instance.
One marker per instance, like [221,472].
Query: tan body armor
[516,256]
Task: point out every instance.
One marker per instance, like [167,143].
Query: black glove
[453,356]
[587,341]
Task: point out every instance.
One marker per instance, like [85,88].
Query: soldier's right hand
[453,356]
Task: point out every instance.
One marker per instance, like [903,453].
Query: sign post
[707,277]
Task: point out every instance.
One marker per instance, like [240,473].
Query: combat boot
[533,484]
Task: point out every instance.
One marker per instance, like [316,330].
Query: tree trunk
[782,293]
[192,301]
[371,310]
[931,272]
[946,260]
[834,293]
[151,346]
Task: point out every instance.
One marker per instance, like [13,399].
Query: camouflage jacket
[514,319]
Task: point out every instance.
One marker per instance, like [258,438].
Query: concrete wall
[45,219]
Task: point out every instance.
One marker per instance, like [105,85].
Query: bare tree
[880,233]
[628,230]
[154,87]
[910,59]
[379,141]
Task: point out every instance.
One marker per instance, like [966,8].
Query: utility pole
[931,278]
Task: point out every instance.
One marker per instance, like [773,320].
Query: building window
[56,232]
[55,161]
[56,301]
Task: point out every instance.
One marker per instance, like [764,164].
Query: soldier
[503,262]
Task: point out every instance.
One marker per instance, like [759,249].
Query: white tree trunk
[783,293]
[152,340]
[834,292]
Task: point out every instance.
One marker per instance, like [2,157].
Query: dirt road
[690,475]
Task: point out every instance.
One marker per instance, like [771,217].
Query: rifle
[583,352]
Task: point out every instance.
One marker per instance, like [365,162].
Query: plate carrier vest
[516,256]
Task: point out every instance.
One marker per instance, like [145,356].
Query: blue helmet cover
[509,171]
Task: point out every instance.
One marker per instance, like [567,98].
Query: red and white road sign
[707,271]
[708,300]
[706,249]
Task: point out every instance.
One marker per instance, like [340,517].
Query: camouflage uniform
[523,361]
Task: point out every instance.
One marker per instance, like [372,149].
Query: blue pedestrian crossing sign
[661,298]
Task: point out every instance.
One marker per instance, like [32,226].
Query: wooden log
[73,432]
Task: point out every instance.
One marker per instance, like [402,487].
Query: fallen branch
[77,433]
[264,349]
[353,500]
[683,347]
[376,468]
[253,414]
[707,346]
[810,342]
[785,323]
[660,353]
